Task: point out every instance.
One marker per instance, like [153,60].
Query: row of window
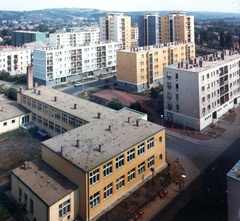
[94,200]
[94,176]
[52,112]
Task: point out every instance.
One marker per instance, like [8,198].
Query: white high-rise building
[53,66]
[199,91]
[116,27]
[74,38]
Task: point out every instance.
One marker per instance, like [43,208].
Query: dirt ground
[15,148]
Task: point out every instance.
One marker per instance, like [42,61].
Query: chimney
[35,84]
[21,89]
[190,61]
[35,90]
[77,142]
[129,119]
[62,150]
[39,92]
[99,115]
[137,122]
[75,106]
[100,148]
[29,77]
[26,165]
[110,128]
[55,98]
[200,63]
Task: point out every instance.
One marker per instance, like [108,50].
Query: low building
[139,69]
[53,66]
[198,92]
[12,115]
[106,153]
[233,190]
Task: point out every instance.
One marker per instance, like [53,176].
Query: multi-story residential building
[117,28]
[12,115]
[52,66]
[22,37]
[134,33]
[177,26]
[104,152]
[155,29]
[148,26]
[15,59]
[74,38]
[233,192]
[199,91]
[139,69]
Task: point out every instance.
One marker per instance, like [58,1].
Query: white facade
[198,92]
[74,38]
[15,59]
[52,66]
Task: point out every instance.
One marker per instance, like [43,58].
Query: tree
[229,40]
[3,88]
[115,104]
[41,28]
[136,106]
[4,75]
[222,39]
[11,93]
[154,93]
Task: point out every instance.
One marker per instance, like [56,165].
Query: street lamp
[184,179]
[162,119]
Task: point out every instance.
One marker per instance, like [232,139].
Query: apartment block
[139,69]
[197,92]
[74,38]
[15,59]
[96,156]
[233,190]
[20,38]
[53,66]
[155,29]
[116,27]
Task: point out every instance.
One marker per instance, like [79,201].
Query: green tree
[4,75]
[11,93]
[229,40]
[136,106]
[3,88]
[222,39]
[153,93]
[115,104]
[41,28]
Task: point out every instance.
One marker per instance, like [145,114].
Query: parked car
[77,84]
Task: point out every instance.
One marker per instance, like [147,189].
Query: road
[88,85]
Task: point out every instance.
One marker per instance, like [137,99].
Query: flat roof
[234,173]
[121,135]
[10,109]
[206,64]
[47,183]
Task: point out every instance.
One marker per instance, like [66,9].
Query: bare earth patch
[230,117]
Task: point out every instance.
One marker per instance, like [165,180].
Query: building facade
[116,27]
[139,69]
[199,91]
[106,153]
[155,29]
[15,60]
[53,66]
[233,188]
[74,38]
[22,37]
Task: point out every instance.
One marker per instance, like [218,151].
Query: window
[141,149]
[94,177]
[119,161]
[51,125]
[150,143]
[29,102]
[24,100]
[94,200]
[34,117]
[34,104]
[131,155]
[39,106]
[176,86]
[120,183]
[203,99]
[141,168]
[203,88]
[176,76]
[57,115]
[71,121]
[45,109]
[51,112]
[39,119]
[107,169]
[64,118]
[131,175]
[78,123]
[13,121]
[160,139]
[45,122]
[5,124]
[57,128]
[25,198]
[108,191]
[64,208]
[160,157]
[64,130]
[20,194]
[150,161]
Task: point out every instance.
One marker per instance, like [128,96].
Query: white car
[77,84]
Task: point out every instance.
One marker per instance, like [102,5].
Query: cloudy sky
[126,5]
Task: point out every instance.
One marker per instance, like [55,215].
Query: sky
[126,5]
